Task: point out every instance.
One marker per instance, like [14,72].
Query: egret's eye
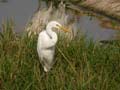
[57,25]
[54,29]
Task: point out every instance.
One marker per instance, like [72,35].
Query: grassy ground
[80,65]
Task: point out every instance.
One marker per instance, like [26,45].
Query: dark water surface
[22,10]
[92,28]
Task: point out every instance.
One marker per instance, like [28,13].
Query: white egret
[47,40]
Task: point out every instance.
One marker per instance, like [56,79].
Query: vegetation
[56,2]
[79,65]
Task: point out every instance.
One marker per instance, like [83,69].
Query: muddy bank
[108,8]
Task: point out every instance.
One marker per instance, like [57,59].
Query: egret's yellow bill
[63,28]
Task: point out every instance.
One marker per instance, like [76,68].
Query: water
[22,10]
[92,29]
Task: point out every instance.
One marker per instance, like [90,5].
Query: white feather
[46,46]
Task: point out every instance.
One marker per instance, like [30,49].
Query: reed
[79,64]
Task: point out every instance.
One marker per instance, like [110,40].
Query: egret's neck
[49,31]
[52,35]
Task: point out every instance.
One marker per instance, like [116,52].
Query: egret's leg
[46,66]
[45,69]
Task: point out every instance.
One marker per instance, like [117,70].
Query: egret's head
[55,24]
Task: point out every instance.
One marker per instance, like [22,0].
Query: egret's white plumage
[46,45]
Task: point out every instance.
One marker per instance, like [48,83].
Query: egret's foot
[45,69]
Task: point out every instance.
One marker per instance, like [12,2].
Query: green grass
[79,65]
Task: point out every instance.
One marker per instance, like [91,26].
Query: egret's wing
[45,42]
[45,48]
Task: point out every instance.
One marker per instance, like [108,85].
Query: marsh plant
[79,64]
